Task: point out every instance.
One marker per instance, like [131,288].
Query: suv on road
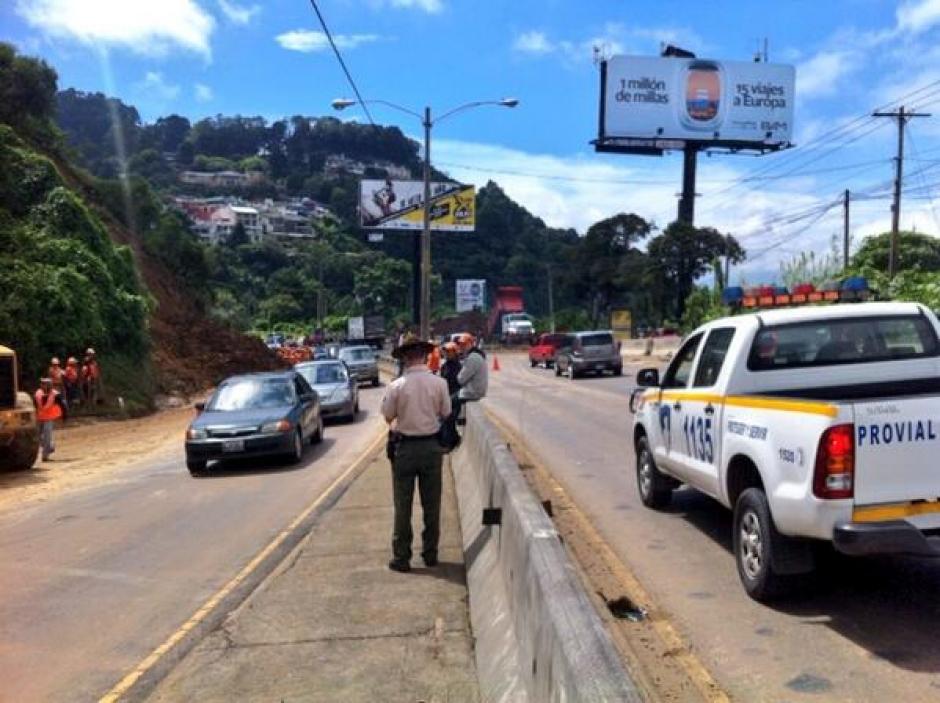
[585,352]
[361,362]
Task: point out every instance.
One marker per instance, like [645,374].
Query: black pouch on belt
[391,446]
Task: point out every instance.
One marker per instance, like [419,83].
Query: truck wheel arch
[638,434]
[742,473]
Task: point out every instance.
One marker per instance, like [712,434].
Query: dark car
[361,362]
[585,352]
[264,414]
[337,388]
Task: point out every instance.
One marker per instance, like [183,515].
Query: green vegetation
[63,284]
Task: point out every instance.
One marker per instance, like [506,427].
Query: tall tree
[27,93]
[683,253]
[915,250]
[606,263]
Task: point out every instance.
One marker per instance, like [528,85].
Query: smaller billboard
[389,204]
[621,322]
[471,295]
[655,103]
[356,328]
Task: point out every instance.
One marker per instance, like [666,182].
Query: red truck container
[509,323]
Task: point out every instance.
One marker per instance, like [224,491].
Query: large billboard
[471,295]
[388,204]
[661,103]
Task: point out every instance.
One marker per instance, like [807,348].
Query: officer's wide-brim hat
[411,344]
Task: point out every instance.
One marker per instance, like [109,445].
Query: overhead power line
[342,63]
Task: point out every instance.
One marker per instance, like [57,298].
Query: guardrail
[538,636]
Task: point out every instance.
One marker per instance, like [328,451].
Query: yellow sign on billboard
[400,205]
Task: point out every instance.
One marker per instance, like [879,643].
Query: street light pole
[425,317]
[424,270]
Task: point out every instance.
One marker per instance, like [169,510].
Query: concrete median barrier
[538,637]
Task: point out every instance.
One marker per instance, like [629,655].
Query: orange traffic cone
[495,363]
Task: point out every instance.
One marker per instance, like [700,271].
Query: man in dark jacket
[451,368]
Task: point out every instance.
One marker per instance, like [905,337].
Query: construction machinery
[19,431]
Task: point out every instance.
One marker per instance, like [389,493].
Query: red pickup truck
[544,349]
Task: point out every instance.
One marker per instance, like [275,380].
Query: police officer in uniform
[415,405]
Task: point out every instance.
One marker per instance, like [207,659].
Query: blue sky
[203,57]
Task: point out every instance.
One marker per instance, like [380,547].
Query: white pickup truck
[813,423]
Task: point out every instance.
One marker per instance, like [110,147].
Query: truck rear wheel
[22,453]
[755,541]
[655,489]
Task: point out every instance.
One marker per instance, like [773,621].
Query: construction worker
[434,358]
[57,374]
[415,406]
[91,378]
[72,382]
[451,367]
[50,406]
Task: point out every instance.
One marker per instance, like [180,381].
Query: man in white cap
[50,407]
[91,378]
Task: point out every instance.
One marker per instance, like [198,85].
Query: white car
[813,423]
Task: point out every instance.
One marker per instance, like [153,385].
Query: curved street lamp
[424,309]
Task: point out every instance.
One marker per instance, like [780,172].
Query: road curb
[139,683]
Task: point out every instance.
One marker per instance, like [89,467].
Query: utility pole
[902,117]
[425,325]
[845,229]
[551,298]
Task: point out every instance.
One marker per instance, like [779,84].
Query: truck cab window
[713,357]
[680,370]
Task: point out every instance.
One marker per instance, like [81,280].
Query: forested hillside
[72,275]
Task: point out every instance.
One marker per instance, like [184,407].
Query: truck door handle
[677,405]
[709,409]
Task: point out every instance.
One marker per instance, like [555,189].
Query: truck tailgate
[897,450]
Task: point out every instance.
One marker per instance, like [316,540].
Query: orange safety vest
[71,374]
[90,371]
[47,407]
[434,360]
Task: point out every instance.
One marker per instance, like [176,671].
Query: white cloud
[429,6]
[533,43]
[578,190]
[306,40]
[149,28]
[918,16]
[203,92]
[615,38]
[239,14]
[156,89]
[821,74]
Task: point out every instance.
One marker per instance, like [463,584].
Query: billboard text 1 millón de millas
[697,100]
[389,204]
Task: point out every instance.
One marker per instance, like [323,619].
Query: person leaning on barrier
[473,378]
[415,406]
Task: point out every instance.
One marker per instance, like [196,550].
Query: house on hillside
[222,179]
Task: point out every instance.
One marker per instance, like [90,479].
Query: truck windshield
[842,341]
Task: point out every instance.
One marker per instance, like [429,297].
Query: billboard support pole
[416,280]
[687,200]
[425,317]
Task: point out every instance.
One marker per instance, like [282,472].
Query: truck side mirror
[647,378]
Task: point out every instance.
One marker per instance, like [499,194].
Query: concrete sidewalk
[333,623]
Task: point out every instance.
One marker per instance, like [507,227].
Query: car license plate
[233,445]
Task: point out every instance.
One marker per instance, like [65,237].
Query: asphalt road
[867,632]
[93,580]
